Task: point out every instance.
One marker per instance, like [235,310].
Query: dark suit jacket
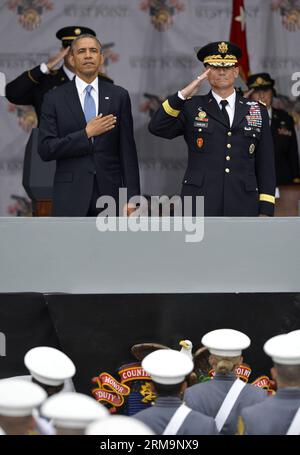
[111,157]
[30,87]
[232,167]
[285,147]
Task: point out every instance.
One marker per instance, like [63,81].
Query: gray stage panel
[71,255]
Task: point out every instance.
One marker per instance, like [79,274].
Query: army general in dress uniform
[230,147]
[30,87]
[282,127]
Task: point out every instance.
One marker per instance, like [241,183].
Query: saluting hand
[53,61]
[194,86]
[100,125]
[248,93]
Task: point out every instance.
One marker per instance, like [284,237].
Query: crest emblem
[77,31]
[162,12]
[202,114]
[251,149]
[200,142]
[223,47]
[30,12]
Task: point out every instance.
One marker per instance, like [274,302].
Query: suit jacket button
[229,133]
[227,170]
[229,146]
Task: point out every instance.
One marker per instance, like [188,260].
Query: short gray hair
[85,35]
[289,374]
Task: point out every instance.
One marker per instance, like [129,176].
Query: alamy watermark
[2,345]
[2,84]
[152,214]
[295,90]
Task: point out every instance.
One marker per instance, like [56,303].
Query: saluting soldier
[280,413]
[224,396]
[169,415]
[230,147]
[282,127]
[30,87]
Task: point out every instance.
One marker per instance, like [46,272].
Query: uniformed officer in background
[224,396]
[282,127]
[169,416]
[279,414]
[230,147]
[30,87]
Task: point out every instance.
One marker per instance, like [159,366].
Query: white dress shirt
[270,112]
[45,70]
[230,108]
[69,73]
[81,86]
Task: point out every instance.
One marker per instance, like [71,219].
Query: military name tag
[201,125]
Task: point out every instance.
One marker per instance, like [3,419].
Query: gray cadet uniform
[208,397]
[279,414]
[158,416]
[274,416]
[169,416]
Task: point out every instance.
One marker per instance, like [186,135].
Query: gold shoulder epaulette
[262,103]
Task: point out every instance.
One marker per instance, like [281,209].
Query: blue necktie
[89,104]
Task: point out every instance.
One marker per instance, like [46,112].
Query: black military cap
[219,53]
[260,81]
[68,34]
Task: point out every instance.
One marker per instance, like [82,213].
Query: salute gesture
[57,58]
[194,86]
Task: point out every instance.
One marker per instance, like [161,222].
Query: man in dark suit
[30,87]
[230,148]
[282,127]
[86,126]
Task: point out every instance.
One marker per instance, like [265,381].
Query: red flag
[238,35]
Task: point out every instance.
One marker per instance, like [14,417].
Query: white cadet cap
[73,410]
[18,398]
[226,342]
[49,365]
[295,332]
[167,366]
[118,425]
[284,349]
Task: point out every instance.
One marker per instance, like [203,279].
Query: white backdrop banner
[149,50]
